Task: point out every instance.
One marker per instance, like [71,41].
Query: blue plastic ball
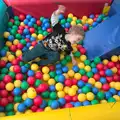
[28,102]
[28,17]
[87,25]
[58,71]
[24,69]
[33,20]
[113,91]
[75,68]
[3,52]
[17,91]
[9,29]
[21,107]
[26,21]
[86,103]
[8,65]
[28,36]
[61,16]
[99,20]
[32,38]
[24,49]
[52,88]
[95,90]
[31,73]
[67,25]
[63,26]
[118,93]
[108,95]
[65,69]
[77,104]
[10,37]
[62,101]
[45,20]
[61,78]
[44,104]
[23,37]
[58,66]
[103,80]
[30,24]
[2,109]
[26,31]
[80,83]
[72,103]
[28,44]
[94,70]
[91,16]
[47,25]
[44,28]
[109,72]
[94,24]
[88,85]
[79,91]
[54,104]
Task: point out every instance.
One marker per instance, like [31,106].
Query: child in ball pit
[51,47]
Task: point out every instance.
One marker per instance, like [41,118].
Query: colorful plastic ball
[90,96]
[87,68]
[7,78]
[86,103]
[17,91]
[34,67]
[46,77]
[61,78]
[68,105]
[6,34]
[60,94]
[108,95]
[100,95]
[114,58]
[21,107]
[65,69]
[37,101]
[83,58]
[106,87]
[31,93]
[92,16]
[11,58]
[117,85]
[116,97]
[77,104]
[94,102]
[113,91]
[95,90]
[82,97]
[48,109]
[53,95]
[4,93]
[44,104]
[51,81]
[109,72]
[71,92]
[10,38]
[75,68]
[55,104]
[59,86]
[71,73]
[30,73]
[111,99]
[77,76]
[45,70]
[40,37]
[2,63]
[80,83]
[62,101]
[58,71]
[98,85]
[52,88]
[38,75]
[17,83]
[4,102]
[9,86]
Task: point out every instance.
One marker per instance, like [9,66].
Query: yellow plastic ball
[112,84]
[87,68]
[6,34]
[4,58]
[62,56]
[24,96]
[105,61]
[8,43]
[8,53]
[75,87]
[11,68]
[91,81]
[90,96]
[81,65]
[83,58]
[31,93]
[117,85]
[77,76]
[31,47]
[51,81]
[48,109]
[2,114]
[11,58]
[66,89]
[117,98]
[73,23]
[34,67]
[84,18]
[70,15]
[17,83]
[28,111]
[15,106]
[16,41]
[103,101]
[59,86]
[79,24]
[9,86]
[83,22]
[40,37]
[114,70]
[71,73]
[98,85]
[46,77]
[81,97]
[45,70]
[90,21]
[71,92]
[22,24]
[114,58]
[74,49]
[61,94]
[34,35]
[66,75]
[18,53]
[74,18]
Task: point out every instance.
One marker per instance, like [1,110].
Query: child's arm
[74,62]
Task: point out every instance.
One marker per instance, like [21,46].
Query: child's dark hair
[76,29]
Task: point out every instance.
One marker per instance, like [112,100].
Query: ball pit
[26,86]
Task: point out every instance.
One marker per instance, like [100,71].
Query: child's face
[74,38]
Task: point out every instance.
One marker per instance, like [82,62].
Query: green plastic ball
[53,95]
[2,76]
[13,32]
[111,99]
[4,70]
[69,20]
[40,32]
[41,19]
[63,21]
[18,36]
[93,65]
[10,113]
[17,99]
[89,74]
[82,71]
[45,94]
[21,63]
[68,58]
[94,102]
[50,102]
[15,27]
[80,43]
[97,60]
[10,24]
[90,27]
[6,48]
[39,28]
[56,78]
[37,82]
[27,65]
[12,74]
[9,107]
[24,85]
[100,95]
[35,26]
[16,18]
[45,33]
[52,74]
[85,89]
[23,41]
[78,21]
[77,54]
[64,62]
[87,62]
[17,23]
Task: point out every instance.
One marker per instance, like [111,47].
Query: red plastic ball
[2,85]
[111,64]
[34,108]
[21,17]
[26,26]
[116,78]
[85,28]
[15,62]
[20,46]
[13,48]
[2,63]
[94,19]
[68,82]
[38,22]
[118,72]
[82,50]
[3,102]
[74,81]
[100,66]
[27,40]
[31,80]
[20,31]
[109,79]
[7,79]
[19,76]
[11,20]
[75,98]
[106,87]
[79,47]
[39,110]
[118,65]
[10,99]
[4,93]
[105,67]
[37,101]
[49,30]
[96,76]
[17,69]
[96,15]
[34,43]
[102,73]
[52,68]
[38,75]
[66,29]
[42,88]
[21,27]
[68,105]
[68,98]
[84,78]
[32,30]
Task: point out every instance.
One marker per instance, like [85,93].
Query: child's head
[75,34]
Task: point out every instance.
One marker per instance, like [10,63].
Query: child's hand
[74,62]
[61,9]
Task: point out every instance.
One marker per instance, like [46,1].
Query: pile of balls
[27,87]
